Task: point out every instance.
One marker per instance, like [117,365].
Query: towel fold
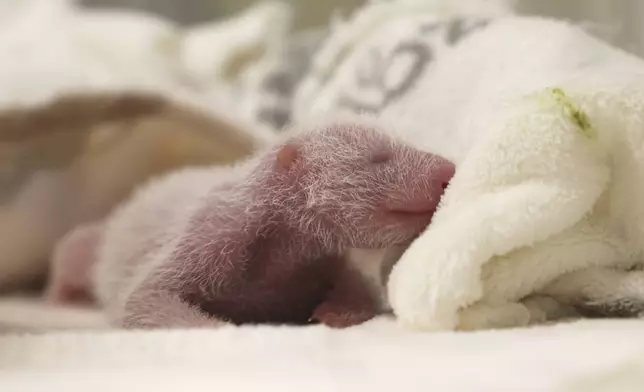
[552,184]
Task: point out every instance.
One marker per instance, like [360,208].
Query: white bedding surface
[606,355]
[27,313]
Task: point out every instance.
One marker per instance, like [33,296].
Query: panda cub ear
[287,156]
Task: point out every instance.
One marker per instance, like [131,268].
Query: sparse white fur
[143,232]
[538,192]
[132,231]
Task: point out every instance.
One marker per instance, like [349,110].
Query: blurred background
[622,16]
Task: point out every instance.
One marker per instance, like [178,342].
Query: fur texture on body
[263,242]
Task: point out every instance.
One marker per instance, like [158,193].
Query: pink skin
[71,265]
[350,302]
[268,249]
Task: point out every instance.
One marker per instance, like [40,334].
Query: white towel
[551,185]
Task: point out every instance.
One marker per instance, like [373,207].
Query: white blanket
[584,356]
[552,182]
[54,46]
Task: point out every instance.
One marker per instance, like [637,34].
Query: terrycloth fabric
[544,124]
[552,185]
[589,356]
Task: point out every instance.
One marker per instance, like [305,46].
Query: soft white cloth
[553,184]
[586,356]
[377,55]
[379,356]
[53,46]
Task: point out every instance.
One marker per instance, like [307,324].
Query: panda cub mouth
[412,207]
[410,213]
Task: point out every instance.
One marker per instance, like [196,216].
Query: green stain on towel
[578,116]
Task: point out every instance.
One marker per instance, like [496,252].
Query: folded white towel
[552,185]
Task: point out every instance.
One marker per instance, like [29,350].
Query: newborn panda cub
[263,242]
